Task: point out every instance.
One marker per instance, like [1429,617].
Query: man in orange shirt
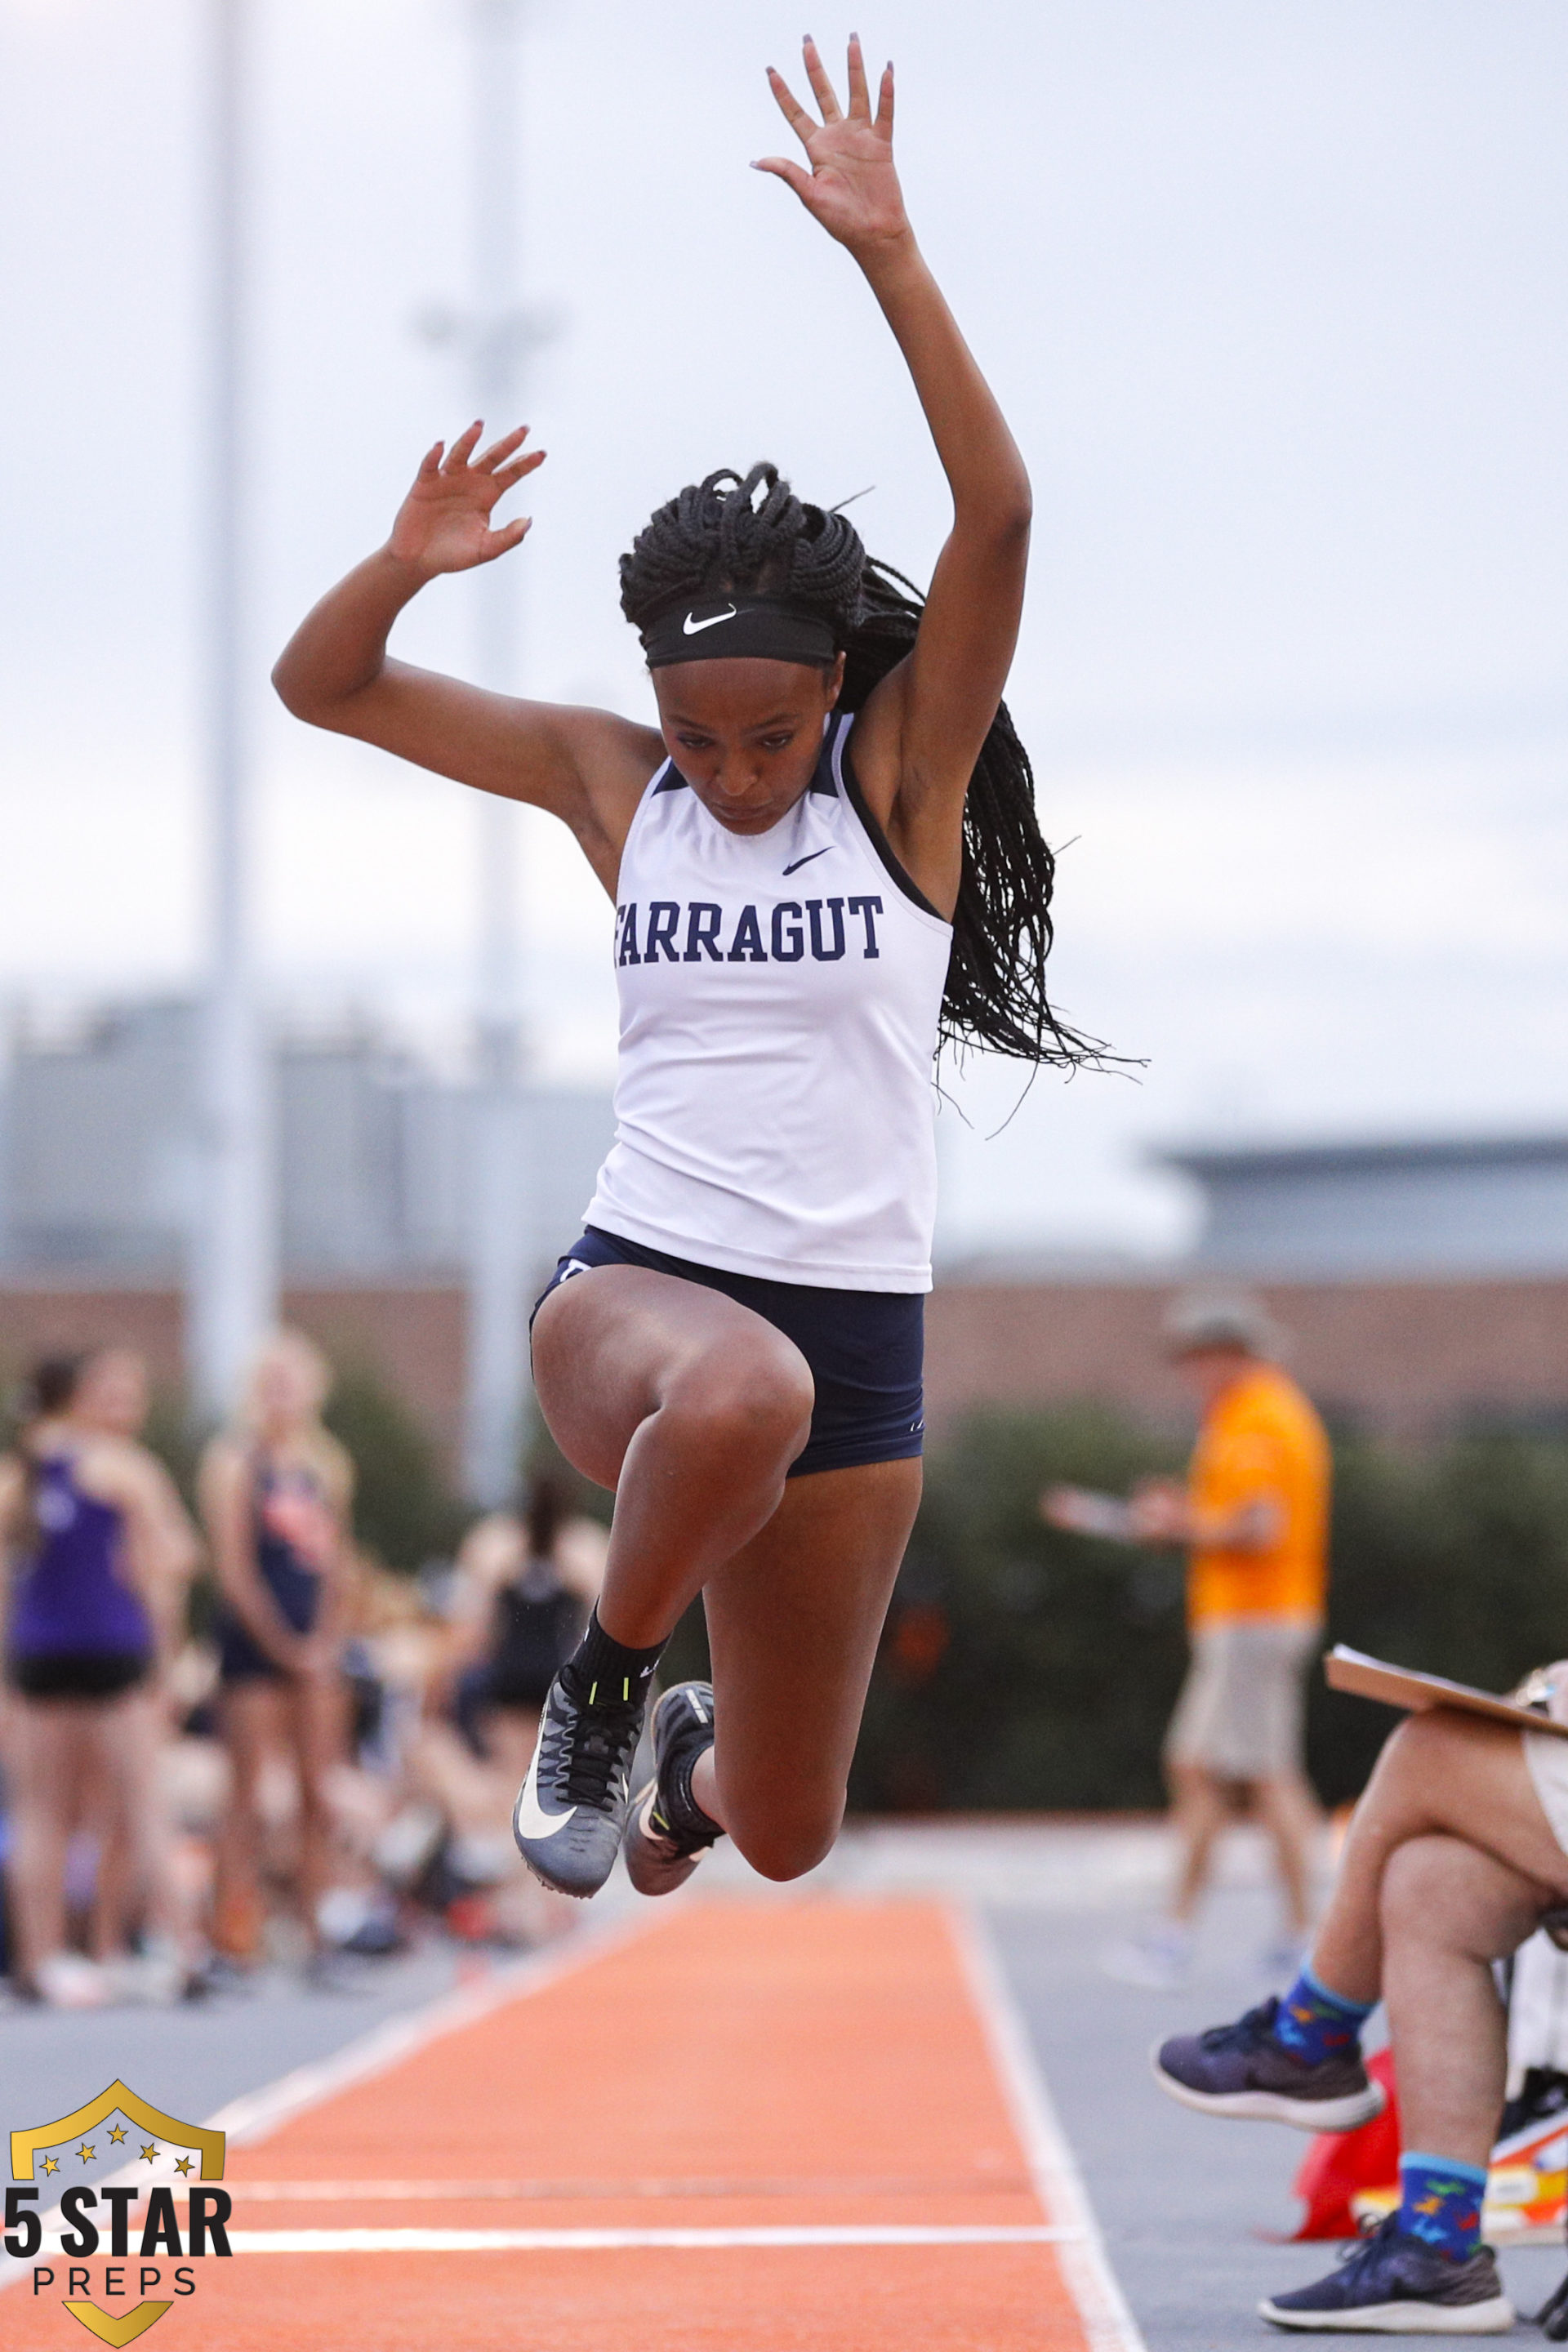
[1254,1516]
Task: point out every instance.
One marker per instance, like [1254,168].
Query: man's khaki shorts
[1240,1710]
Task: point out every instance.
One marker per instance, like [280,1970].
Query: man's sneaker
[661,1856]
[1241,2070]
[571,1808]
[1392,2284]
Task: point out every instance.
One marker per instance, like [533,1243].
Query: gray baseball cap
[1213,1320]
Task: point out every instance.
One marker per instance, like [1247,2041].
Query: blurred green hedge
[1026,1668]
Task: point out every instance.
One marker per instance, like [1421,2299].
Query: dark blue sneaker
[1392,2284]
[1241,2070]
[661,1855]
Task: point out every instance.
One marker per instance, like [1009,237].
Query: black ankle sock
[680,1806]
[604,1671]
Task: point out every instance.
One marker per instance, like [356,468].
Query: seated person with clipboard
[1455,1853]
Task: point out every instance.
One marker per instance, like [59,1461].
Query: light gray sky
[1276,295]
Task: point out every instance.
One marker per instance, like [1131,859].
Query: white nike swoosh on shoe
[530,1820]
[692,627]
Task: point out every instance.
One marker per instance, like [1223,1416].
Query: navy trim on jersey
[874,833]
[866,1349]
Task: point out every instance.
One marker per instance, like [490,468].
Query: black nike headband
[737,628]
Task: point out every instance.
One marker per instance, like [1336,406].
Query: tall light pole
[498,334]
[233,1275]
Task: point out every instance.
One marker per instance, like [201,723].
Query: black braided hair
[750,532]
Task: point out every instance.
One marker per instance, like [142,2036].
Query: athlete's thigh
[609,1345]
[793,1626]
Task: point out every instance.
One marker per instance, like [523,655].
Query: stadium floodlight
[232,1274]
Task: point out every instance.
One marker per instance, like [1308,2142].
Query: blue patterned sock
[1314,2023]
[1440,2203]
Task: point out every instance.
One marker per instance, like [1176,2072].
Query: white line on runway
[506,2242]
[1106,2316]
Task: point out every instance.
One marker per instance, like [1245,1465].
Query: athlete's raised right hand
[443,523]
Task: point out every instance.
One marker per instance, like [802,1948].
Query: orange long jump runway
[765,2125]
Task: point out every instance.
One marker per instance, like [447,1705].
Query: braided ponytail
[752,534]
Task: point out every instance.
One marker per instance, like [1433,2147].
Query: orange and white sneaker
[667,1833]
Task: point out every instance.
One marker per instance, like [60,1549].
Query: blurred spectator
[1254,1516]
[275,1492]
[98,1551]
[519,1602]
[525,1587]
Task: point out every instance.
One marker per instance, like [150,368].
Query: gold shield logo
[104,2127]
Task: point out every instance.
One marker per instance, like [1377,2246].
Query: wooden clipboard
[1353,1670]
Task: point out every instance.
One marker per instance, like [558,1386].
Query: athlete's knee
[786,1845]
[756,1405]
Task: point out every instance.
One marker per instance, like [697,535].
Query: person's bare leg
[794,1620]
[689,1406]
[1200,1809]
[1290,1813]
[474,1793]
[249,1718]
[1443,1774]
[45,1758]
[315,1714]
[1448,1911]
[129,1736]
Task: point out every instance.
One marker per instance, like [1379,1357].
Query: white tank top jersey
[779,994]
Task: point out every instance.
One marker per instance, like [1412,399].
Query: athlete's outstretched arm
[587,767]
[920,732]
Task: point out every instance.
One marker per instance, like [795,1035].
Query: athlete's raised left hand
[852,187]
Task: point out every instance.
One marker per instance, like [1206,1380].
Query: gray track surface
[1181,2199]
[193,2059]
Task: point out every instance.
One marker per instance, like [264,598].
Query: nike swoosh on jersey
[530,1820]
[692,627]
[795,867]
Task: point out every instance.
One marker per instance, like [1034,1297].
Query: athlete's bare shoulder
[613,758]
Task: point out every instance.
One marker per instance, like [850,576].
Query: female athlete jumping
[824,858]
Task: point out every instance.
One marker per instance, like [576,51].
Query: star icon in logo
[51,2164]
[86,2153]
[149,2152]
[117,2133]
[182,2164]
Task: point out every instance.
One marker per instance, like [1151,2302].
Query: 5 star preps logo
[111,2247]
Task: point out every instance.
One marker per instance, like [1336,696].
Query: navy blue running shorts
[866,1349]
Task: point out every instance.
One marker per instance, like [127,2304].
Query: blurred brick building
[1425,1284]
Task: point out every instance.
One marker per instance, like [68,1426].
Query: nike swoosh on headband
[795,867]
[530,1820]
[693,627]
